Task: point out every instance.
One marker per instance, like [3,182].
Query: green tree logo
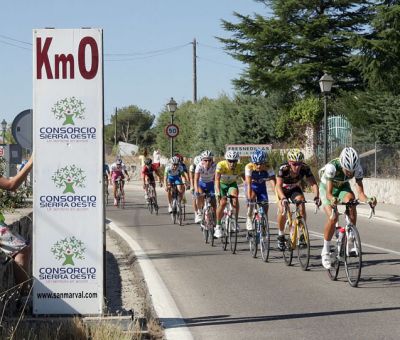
[68,249]
[68,109]
[69,177]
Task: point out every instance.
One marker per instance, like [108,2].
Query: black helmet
[148,161]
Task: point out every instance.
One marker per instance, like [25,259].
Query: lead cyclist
[334,188]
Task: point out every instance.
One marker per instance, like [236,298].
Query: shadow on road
[226,319]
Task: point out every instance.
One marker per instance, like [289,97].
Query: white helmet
[232,155]
[175,160]
[197,160]
[349,159]
[206,154]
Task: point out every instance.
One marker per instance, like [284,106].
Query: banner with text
[245,150]
[68,219]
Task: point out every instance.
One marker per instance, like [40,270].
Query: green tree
[134,125]
[378,59]
[290,49]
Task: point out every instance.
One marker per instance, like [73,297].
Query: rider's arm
[360,190]
[217,183]
[196,182]
[279,189]
[248,185]
[313,184]
[329,190]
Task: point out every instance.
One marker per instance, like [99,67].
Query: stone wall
[386,190]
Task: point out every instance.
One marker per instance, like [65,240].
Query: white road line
[162,299]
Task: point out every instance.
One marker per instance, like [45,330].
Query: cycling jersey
[228,176]
[206,175]
[106,169]
[117,172]
[338,177]
[290,182]
[264,174]
[184,167]
[174,175]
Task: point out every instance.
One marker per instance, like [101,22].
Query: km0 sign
[172,130]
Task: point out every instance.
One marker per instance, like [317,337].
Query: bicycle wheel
[303,244]
[155,205]
[265,239]
[225,230]
[335,264]
[233,234]
[204,228]
[253,244]
[288,250]
[211,236]
[173,214]
[180,213]
[353,256]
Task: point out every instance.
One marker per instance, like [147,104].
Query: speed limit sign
[172,130]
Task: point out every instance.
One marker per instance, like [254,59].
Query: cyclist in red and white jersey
[118,170]
[148,171]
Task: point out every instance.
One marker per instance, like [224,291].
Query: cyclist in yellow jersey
[226,176]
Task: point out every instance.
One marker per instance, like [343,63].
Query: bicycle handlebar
[351,203]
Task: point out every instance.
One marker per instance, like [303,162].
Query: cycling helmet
[259,156]
[232,155]
[148,161]
[349,159]
[295,155]
[175,160]
[197,160]
[180,157]
[119,161]
[206,154]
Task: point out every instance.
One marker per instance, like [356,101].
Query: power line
[14,45]
[16,40]
[219,63]
[168,49]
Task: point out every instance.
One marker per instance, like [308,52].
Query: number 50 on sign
[172,130]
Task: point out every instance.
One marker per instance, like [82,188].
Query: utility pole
[194,72]
[115,127]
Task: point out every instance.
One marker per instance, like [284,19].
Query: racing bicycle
[296,235]
[230,227]
[208,218]
[120,194]
[261,233]
[348,246]
[152,204]
[177,211]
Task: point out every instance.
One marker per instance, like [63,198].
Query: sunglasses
[207,160]
[229,161]
[258,163]
[296,163]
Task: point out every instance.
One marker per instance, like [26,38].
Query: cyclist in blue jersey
[174,174]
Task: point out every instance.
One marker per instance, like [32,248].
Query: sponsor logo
[68,111]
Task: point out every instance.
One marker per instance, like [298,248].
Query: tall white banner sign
[68,214]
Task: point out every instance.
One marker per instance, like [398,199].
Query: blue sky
[156,35]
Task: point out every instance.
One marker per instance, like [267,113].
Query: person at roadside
[288,187]
[118,171]
[257,174]
[334,188]
[156,158]
[11,243]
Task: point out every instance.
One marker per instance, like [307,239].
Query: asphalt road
[226,296]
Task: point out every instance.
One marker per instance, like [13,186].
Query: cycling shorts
[292,193]
[227,188]
[175,180]
[260,191]
[11,243]
[207,187]
[339,193]
[114,177]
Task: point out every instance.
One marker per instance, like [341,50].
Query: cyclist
[118,170]
[335,187]
[192,169]
[227,174]
[204,179]
[173,174]
[148,171]
[257,174]
[185,169]
[288,186]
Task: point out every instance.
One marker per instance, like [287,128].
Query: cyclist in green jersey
[335,187]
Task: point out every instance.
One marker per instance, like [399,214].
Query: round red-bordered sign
[172,130]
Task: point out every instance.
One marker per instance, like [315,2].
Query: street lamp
[172,106]
[325,83]
[4,128]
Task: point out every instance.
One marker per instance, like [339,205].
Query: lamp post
[172,106]
[325,83]
[4,128]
